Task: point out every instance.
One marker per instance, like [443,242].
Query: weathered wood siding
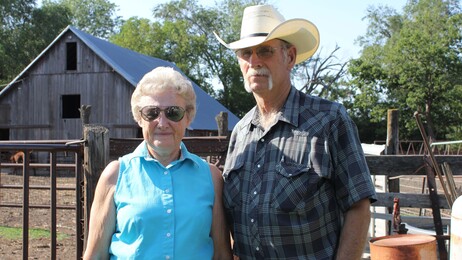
[35,103]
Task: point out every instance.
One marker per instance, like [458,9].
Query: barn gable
[80,69]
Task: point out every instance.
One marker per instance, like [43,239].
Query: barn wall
[35,100]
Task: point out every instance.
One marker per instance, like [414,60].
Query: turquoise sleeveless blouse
[163,212]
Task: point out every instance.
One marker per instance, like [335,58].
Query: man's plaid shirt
[287,188]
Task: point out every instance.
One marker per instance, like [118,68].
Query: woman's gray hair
[163,79]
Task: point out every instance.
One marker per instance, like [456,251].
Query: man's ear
[291,56]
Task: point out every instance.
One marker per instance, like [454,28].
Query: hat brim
[299,32]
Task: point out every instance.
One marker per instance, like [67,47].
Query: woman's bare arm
[220,230]
[103,214]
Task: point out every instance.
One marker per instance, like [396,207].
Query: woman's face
[163,135]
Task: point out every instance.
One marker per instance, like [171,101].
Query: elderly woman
[160,201]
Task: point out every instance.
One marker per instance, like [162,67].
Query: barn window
[70,105]
[4,134]
[71,56]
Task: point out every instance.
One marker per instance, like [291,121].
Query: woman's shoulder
[110,173]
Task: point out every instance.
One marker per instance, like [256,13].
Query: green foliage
[136,35]
[26,33]
[15,12]
[412,62]
[14,15]
[96,17]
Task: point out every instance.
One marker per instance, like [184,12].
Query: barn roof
[132,66]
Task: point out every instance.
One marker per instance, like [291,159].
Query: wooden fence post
[85,111]
[392,145]
[96,157]
[392,148]
[222,123]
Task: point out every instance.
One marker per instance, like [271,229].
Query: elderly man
[297,185]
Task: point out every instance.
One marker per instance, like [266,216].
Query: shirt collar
[289,112]
[291,108]
[142,151]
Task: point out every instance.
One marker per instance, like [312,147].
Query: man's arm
[354,232]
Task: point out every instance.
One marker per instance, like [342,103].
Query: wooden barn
[43,101]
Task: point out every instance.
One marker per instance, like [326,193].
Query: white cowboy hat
[261,23]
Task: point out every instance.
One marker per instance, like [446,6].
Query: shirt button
[257,248]
[168,234]
[255,193]
[169,211]
[252,220]
[258,165]
[167,191]
[262,140]
[167,257]
[166,172]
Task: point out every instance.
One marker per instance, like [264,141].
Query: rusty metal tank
[403,247]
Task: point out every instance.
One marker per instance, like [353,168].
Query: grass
[15,233]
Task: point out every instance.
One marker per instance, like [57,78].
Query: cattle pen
[403,176]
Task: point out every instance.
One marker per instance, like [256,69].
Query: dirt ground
[38,218]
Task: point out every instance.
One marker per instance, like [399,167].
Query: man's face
[265,65]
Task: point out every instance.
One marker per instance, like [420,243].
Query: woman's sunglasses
[173,113]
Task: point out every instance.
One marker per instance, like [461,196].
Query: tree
[15,12]
[321,76]
[138,35]
[25,32]
[96,17]
[14,15]
[40,33]
[412,62]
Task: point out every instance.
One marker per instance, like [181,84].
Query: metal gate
[53,162]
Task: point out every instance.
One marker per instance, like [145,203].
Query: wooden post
[392,145]
[85,111]
[96,157]
[222,122]
[392,148]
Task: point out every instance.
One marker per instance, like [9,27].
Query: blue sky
[339,21]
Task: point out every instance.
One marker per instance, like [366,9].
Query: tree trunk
[430,125]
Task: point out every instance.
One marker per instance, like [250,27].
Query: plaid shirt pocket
[293,186]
